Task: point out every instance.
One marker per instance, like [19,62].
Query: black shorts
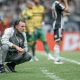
[58,34]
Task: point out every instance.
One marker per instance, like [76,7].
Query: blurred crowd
[10,10]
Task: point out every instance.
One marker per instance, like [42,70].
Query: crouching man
[14,47]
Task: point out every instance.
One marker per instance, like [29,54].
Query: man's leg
[15,60]
[34,58]
[22,58]
[57,38]
[47,50]
[43,39]
[31,45]
[3,53]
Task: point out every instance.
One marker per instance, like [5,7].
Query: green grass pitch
[47,70]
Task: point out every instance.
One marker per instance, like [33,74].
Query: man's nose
[23,28]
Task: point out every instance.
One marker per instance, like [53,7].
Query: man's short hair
[16,22]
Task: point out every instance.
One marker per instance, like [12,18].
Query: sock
[56,52]
[46,47]
[33,51]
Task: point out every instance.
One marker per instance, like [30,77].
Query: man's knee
[5,47]
[27,57]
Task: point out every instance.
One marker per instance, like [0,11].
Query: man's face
[21,26]
[29,5]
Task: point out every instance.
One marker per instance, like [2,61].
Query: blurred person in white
[14,47]
[60,8]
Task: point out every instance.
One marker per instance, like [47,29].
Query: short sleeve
[60,6]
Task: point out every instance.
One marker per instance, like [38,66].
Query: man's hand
[66,13]
[19,49]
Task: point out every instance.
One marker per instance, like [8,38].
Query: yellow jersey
[28,14]
[38,12]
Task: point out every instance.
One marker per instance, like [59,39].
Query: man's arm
[6,36]
[5,39]
[19,49]
[66,9]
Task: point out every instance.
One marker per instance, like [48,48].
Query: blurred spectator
[12,8]
[1,27]
[4,23]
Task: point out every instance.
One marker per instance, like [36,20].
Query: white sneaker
[50,57]
[36,59]
[31,60]
[58,62]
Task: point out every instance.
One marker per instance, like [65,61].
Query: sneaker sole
[58,62]
[6,67]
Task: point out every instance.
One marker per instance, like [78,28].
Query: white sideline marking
[28,68]
[70,60]
[51,75]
